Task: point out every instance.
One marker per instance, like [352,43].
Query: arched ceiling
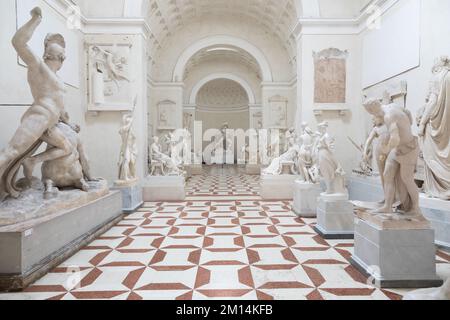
[220,54]
[222,95]
[278,17]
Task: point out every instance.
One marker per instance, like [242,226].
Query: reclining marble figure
[39,124]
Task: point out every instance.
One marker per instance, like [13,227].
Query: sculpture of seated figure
[157,157]
[330,169]
[276,166]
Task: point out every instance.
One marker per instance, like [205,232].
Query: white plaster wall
[435,31]
[341,127]
[160,93]
[103,142]
[174,46]
[287,91]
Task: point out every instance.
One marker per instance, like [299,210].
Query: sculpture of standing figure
[128,151]
[434,132]
[306,159]
[39,123]
[329,167]
[403,152]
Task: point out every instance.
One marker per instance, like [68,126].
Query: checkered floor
[223,185]
[212,249]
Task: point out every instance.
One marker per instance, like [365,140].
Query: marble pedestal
[435,210]
[305,198]
[279,187]
[131,195]
[253,169]
[31,248]
[335,217]
[164,188]
[396,258]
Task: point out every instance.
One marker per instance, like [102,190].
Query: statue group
[64,163]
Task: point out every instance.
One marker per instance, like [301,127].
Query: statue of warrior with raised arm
[39,123]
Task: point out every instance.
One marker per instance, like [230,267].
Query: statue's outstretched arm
[23,36]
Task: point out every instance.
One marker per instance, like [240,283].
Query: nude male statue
[403,152]
[39,122]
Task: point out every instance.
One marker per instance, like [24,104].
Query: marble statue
[287,137]
[379,139]
[158,159]
[109,66]
[306,158]
[175,145]
[276,165]
[434,132]
[128,151]
[402,154]
[71,170]
[39,124]
[330,169]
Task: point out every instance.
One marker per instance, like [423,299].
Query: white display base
[164,188]
[278,187]
[30,249]
[253,169]
[131,195]
[305,198]
[396,258]
[435,210]
[335,219]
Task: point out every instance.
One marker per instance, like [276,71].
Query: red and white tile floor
[212,249]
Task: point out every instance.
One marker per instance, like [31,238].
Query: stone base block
[396,258]
[278,187]
[253,169]
[305,198]
[164,188]
[438,213]
[28,250]
[131,196]
[335,219]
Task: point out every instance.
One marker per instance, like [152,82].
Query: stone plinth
[396,258]
[32,247]
[335,218]
[278,187]
[164,188]
[131,195]
[305,198]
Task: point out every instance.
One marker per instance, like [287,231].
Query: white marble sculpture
[434,132]
[128,152]
[330,169]
[306,160]
[289,157]
[402,153]
[162,162]
[39,124]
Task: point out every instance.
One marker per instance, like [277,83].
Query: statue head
[55,49]
[127,119]
[323,127]
[374,107]
[155,139]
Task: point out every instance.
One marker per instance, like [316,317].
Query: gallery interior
[225,149]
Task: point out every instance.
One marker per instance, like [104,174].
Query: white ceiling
[277,16]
